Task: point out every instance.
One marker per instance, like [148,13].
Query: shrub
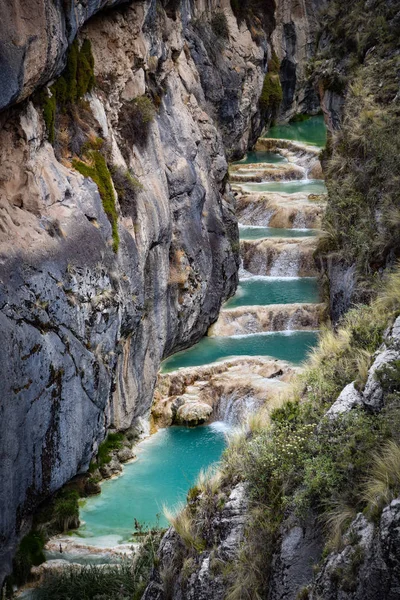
[75,81]
[66,510]
[112,442]
[383,485]
[219,25]
[127,188]
[29,554]
[135,119]
[97,170]
[271,95]
[111,582]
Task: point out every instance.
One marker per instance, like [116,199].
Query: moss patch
[97,170]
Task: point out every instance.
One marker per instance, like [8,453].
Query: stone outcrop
[205,580]
[229,390]
[294,42]
[85,328]
[368,568]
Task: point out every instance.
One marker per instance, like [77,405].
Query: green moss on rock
[98,171]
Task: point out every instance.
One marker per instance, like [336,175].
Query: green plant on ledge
[97,170]
[75,81]
[112,442]
[272,95]
[219,25]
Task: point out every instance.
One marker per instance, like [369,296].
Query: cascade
[250,355]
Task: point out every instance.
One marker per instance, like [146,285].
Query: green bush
[112,442]
[75,81]
[135,119]
[219,25]
[29,554]
[98,171]
[271,95]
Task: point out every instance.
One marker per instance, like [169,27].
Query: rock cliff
[85,322]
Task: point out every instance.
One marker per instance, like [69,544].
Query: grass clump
[135,119]
[112,442]
[219,25]
[29,554]
[126,580]
[383,483]
[184,524]
[96,168]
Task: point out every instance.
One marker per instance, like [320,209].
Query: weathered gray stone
[368,569]
[204,583]
[125,454]
[348,398]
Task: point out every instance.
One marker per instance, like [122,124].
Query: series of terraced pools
[169,462]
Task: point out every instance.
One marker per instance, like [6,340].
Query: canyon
[162,265]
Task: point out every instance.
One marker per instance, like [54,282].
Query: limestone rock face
[294,42]
[84,329]
[34,37]
[378,550]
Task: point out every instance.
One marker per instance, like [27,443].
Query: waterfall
[300,221]
[287,263]
[235,408]
[243,273]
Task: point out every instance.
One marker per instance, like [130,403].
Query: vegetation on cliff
[76,80]
[127,580]
[96,168]
[271,95]
[297,461]
[359,60]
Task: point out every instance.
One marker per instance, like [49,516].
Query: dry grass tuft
[383,485]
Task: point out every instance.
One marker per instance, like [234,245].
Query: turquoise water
[312,131]
[259,291]
[305,186]
[262,156]
[167,466]
[259,233]
[285,345]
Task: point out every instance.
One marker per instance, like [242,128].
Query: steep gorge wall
[295,42]
[84,328]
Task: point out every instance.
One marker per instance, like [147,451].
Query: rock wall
[34,38]
[84,328]
[294,41]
